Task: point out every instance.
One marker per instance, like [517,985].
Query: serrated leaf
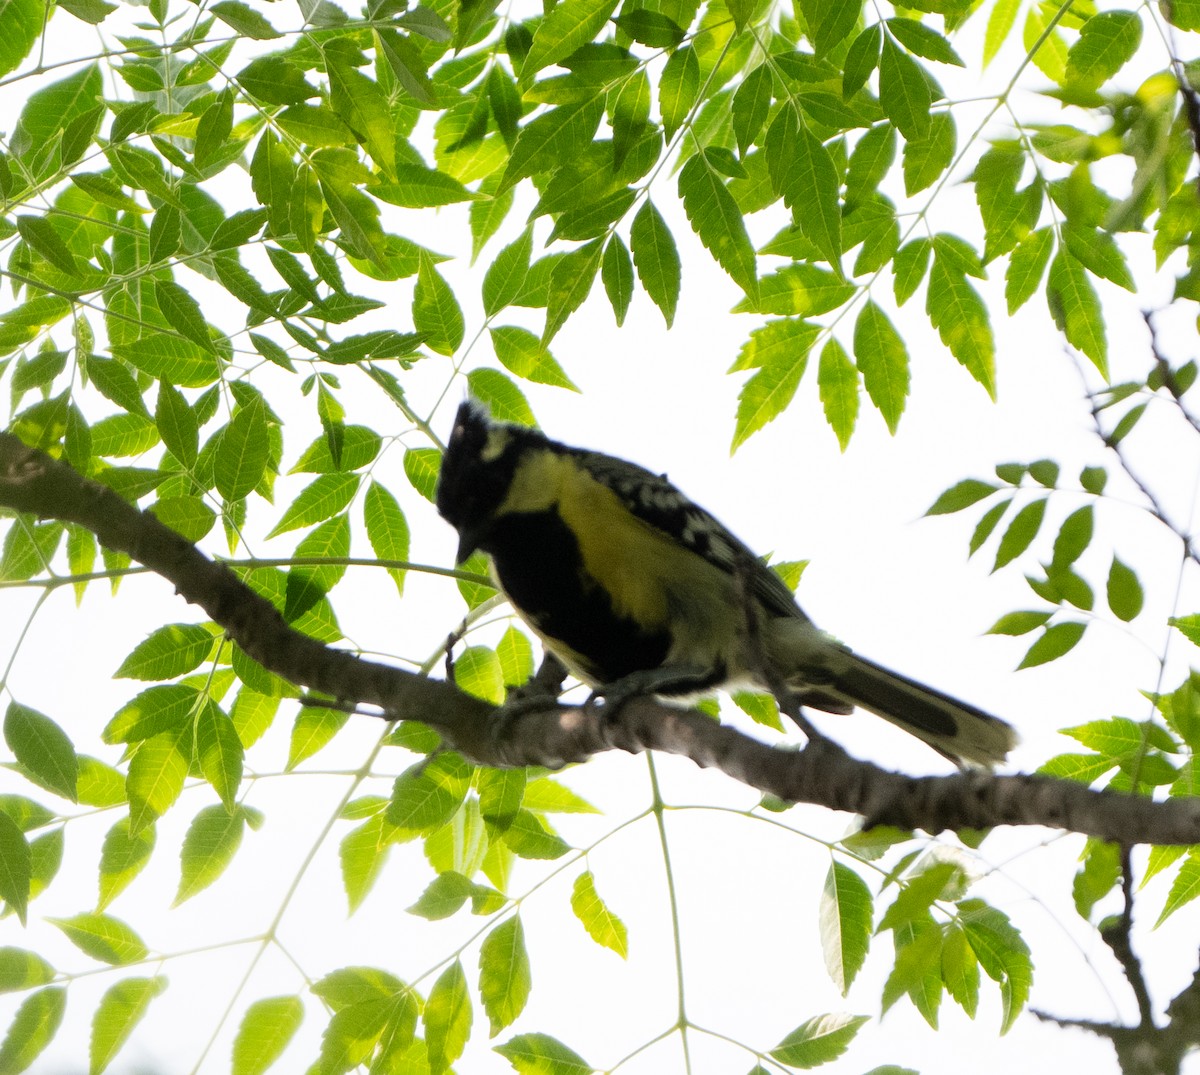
[1106,42]
[122,857]
[1054,642]
[43,748]
[1076,309]
[168,652]
[845,918]
[616,271]
[837,385]
[1021,531]
[520,351]
[716,219]
[122,1007]
[264,1032]
[32,1029]
[447,1018]
[157,771]
[678,88]
[16,867]
[569,26]
[1074,536]
[219,752]
[903,91]
[656,259]
[961,318]
[504,975]
[604,927]
[103,937]
[211,841]
[324,497]
[505,277]
[780,350]
[1002,953]
[882,359]
[387,529]
[818,1040]
[540,1054]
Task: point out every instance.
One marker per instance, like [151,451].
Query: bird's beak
[468,542]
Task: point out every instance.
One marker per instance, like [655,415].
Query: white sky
[897,588]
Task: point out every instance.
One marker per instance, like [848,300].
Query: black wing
[654,500]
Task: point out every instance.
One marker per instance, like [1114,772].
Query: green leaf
[245,20]
[961,495]
[551,139]
[505,277]
[523,353]
[570,281]
[882,359]
[103,937]
[314,728]
[170,651]
[1076,309]
[1019,623]
[363,852]
[426,795]
[861,59]
[961,318]
[999,25]
[43,748]
[387,529]
[42,236]
[828,24]
[845,919]
[751,103]
[1020,533]
[243,452]
[122,857]
[32,1029]
[1025,268]
[819,1040]
[435,310]
[1107,41]
[21,970]
[1074,536]
[678,89]
[265,1031]
[170,358]
[903,91]
[1184,888]
[960,969]
[504,976]
[1054,642]
[837,384]
[156,774]
[604,927]
[1125,595]
[183,313]
[656,259]
[324,497]
[1001,952]
[780,350]
[926,159]
[447,1018]
[211,841]
[122,1007]
[421,467]
[716,219]
[803,172]
[570,25]
[922,40]
[16,868]
[540,1054]
[415,187]
[219,752]
[23,21]
[1097,250]
[617,273]
[177,424]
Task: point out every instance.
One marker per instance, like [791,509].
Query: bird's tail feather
[956,729]
[826,675]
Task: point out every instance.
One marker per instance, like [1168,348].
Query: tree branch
[822,774]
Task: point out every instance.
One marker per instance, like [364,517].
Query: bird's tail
[828,676]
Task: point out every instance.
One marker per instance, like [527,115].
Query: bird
[637,590]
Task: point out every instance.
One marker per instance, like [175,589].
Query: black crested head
[477,469]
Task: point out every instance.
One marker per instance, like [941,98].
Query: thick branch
[823,774]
